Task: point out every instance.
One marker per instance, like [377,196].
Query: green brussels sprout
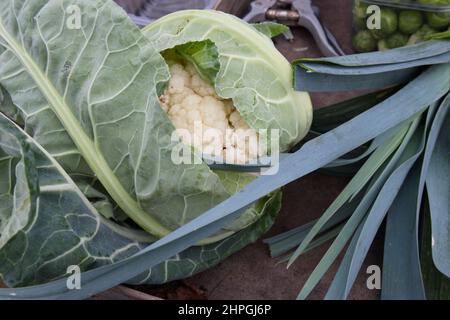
[409,21]
[382,46]
[438,20]
[364,41]
[360,15]
[360,9]
[360,23]
[389,24]
[421,34]
[396,40]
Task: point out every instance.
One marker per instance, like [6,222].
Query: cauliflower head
[204,120]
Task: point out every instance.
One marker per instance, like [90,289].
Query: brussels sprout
[360,9]
[421,34]
[364,41]
[360,15]
[438,20]
[410,21]
[382,46]
[389,24]
[397,40]
[360,23]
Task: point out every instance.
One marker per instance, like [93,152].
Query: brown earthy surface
[251,273]
[124,293]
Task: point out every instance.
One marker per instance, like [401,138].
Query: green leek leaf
[437,285]
[358,183]
[383,202]
[394,150]
[375,70]
[401,282]
[438,186]
[401,265]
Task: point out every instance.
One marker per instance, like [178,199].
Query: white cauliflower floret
[243,143]
[213,124]
[180,79]
[214,113]
[178,98]
[178,116]
[201,87]
[192,101]
[213,141]
[185,114]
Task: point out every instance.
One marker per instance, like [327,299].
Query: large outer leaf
[252,71]
[200,258]
[47,224]
[50,225]
[89,96]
